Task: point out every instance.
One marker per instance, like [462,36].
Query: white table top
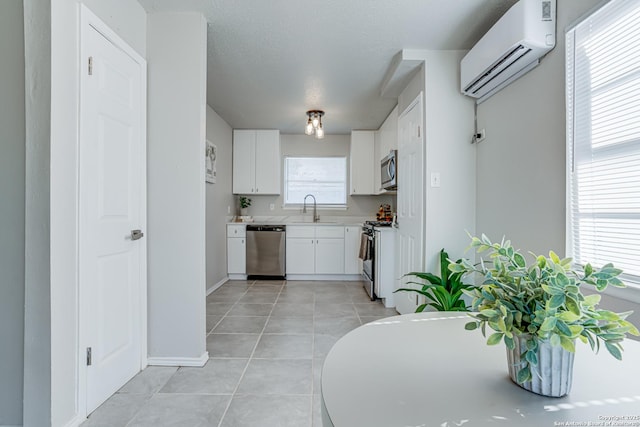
[426,370]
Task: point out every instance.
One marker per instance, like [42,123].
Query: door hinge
[90,67]
[88,356]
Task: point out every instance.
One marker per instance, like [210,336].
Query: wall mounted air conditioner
[512,47]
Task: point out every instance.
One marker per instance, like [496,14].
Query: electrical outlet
[435,179]
[272,206]
[480,136]
[228,209]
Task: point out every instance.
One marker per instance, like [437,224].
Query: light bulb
[308,129]
[320,132]
[315,120]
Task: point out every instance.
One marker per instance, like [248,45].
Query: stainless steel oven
[367,254]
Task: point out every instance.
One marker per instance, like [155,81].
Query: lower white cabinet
[315,250]
[352,264]
[300,256]
[236,249]
[330,256]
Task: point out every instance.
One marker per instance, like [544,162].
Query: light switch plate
[435,179]
[272,206]
[228,209]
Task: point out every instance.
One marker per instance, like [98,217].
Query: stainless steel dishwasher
[266,250]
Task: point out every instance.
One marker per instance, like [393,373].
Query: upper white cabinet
[256,161]
[362,162]
[386,139]
[388,134]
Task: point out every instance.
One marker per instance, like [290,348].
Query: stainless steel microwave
[388,171]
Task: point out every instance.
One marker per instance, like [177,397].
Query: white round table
[426,370]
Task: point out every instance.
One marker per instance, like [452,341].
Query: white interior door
[112,199]
[411,198]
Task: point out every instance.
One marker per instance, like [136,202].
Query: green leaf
[555,302]
[509,343]
[555,339]
[572,306]
[532,357]
[495,338]
[421,308]
[563,328]
[548,324]
[471,326]
[567,344]
[489,313]
[588,270]
[567,316]
[592,300]
[524,375]
[555,258]
[519,260]
[614,350]
[563,281]
[552,290]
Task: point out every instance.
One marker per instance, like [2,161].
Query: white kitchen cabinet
[300,255]
[352,264]
[315,250]
[385,140]
[330,256]
[361,162]
[256,161]
[236,249]
[389,134]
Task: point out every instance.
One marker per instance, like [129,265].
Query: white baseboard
[179,361]
[237,277]
[217,285]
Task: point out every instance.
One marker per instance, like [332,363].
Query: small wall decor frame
[211,153]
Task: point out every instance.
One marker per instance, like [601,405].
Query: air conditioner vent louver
[497,68]
[510,48]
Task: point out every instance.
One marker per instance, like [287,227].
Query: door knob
[136,234]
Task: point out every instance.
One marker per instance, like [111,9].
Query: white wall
[12,194]
[37,348]
[448,126]
[521,164]
[128,17]
[176,54]
[331,145]
[450,208]
[219,197]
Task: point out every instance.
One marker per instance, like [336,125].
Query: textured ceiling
[269,61]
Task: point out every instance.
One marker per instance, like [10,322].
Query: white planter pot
[554,373]
[244,211]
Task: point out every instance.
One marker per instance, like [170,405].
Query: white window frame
[632,292]
[324,206]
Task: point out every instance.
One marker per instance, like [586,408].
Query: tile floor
[267,341]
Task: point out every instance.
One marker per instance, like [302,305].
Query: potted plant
[539,311]
[245,202]
[442,293]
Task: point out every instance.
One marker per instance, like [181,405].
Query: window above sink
[323,177]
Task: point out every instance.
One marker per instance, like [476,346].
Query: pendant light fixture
[314,123]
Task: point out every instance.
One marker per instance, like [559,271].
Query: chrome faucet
[316,217]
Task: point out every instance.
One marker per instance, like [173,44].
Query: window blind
[324,177]
[603,138]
